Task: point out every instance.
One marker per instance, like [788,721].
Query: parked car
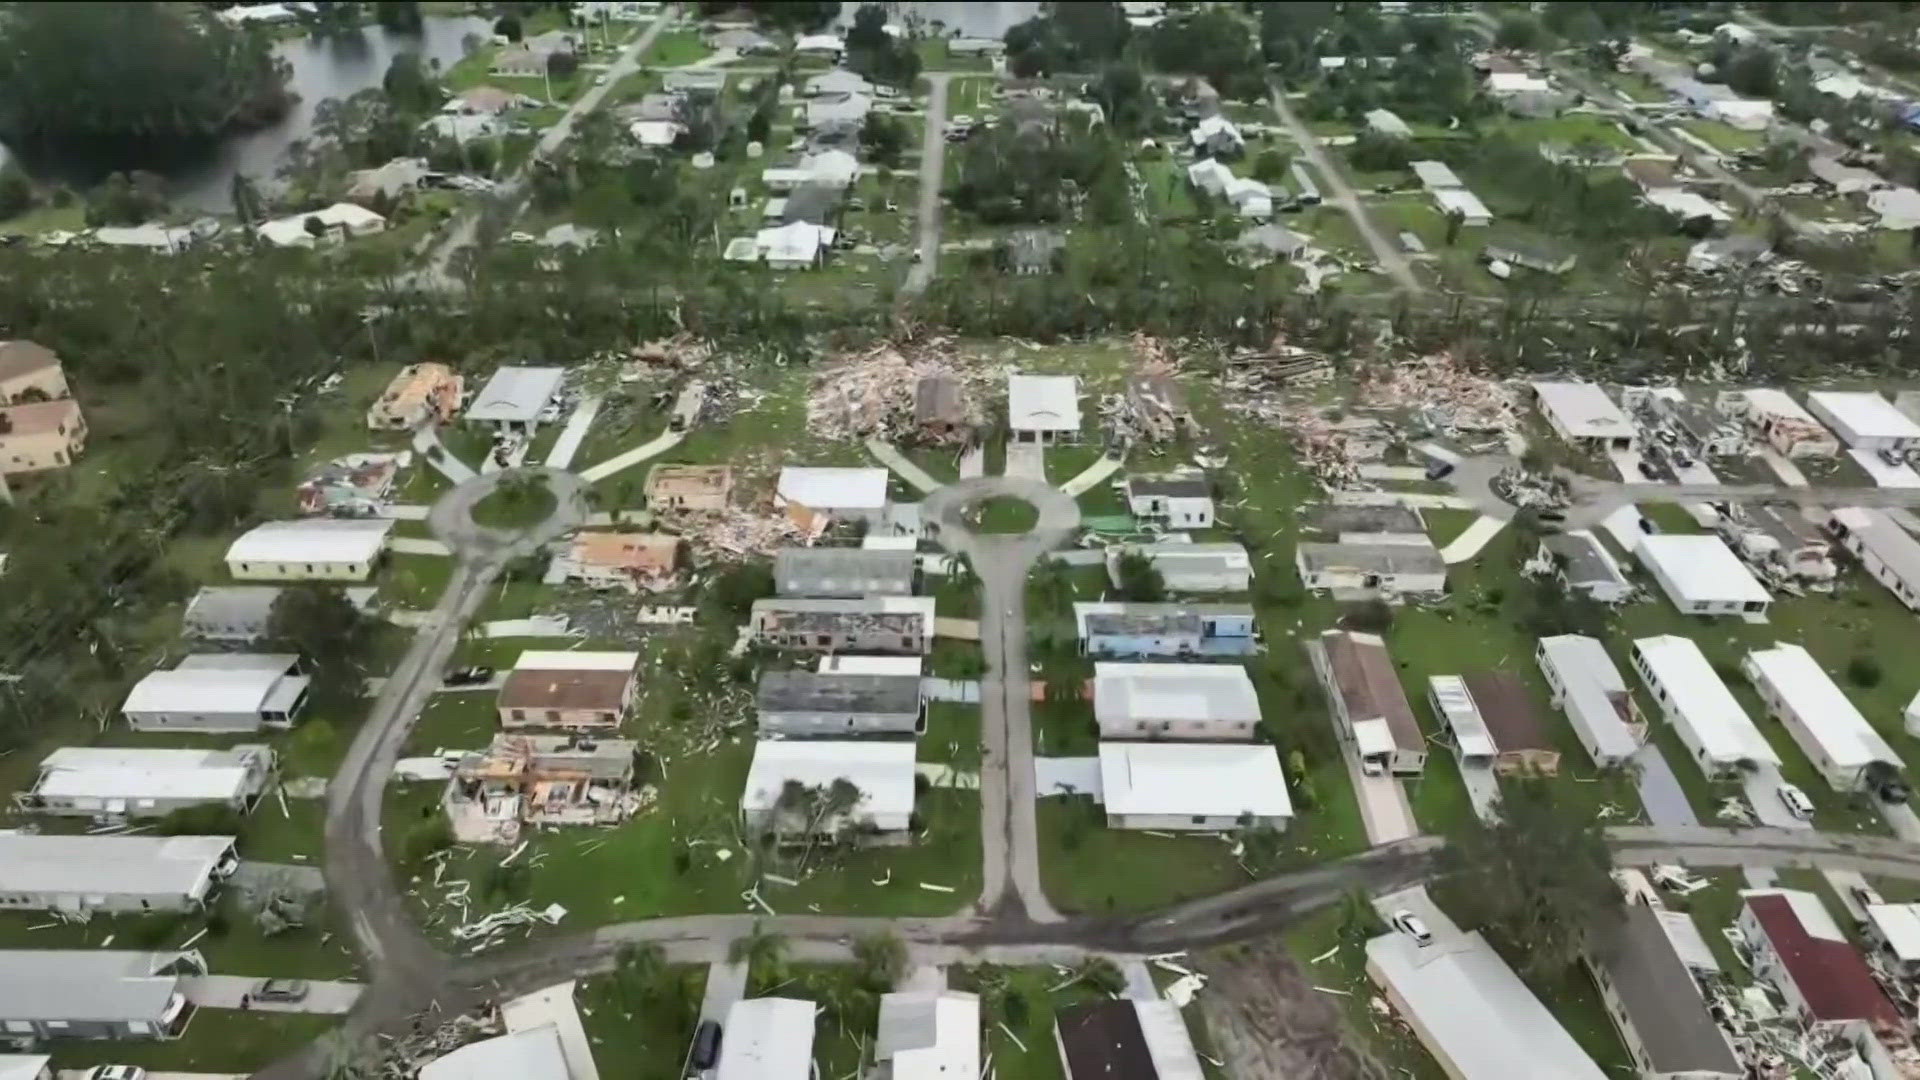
[1893,790]
[117,1072]
[706,1044]
[1796,802]
[1409,924]
[1865,896]
[280,990]
[1439,470]
[468,676]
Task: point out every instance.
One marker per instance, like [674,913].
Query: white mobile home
[94,994]
[1174,701]
[1182,500]
[1588,688]
[1192,786]
[1390,569]
[1584,416]
[767,1038]
[1701,575]
[110,874]
[882,771]
[1885,550]
[313,549]
[929,1036]
[124,782]
[1583,565]
[1192,568]
[1716,730]
[516,399]
[1865,420]
[219,692]
[1043,409]
[1829,729]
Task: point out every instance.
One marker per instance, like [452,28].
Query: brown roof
[19,358]
[1832,978]
[936,399]
[1104,1040]
[587,689]
[1508,709]
[1364,674]
[646,553]
[41,417]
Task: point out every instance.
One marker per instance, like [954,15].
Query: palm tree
[637,969]
[882,958]
[764,952]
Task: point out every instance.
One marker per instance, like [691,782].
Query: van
[706,1044]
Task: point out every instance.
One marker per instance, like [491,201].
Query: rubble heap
[1454,402]
[871,394]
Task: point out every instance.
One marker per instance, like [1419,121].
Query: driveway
[427,442]
[1027,461]
[1483,788]
[575,433]
[726,984]
[1416,900]
[887,454]
[653,448]
[1763,791]
[226,991]
[1660,790]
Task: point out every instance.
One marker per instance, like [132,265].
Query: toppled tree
[332,636]
[1140,580]
[882,959]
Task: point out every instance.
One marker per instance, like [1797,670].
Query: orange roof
[41,417]
[418,384]
[647,553]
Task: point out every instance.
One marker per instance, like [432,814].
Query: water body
[322,68]
[987,20]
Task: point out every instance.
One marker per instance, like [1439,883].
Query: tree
[408,86]
[398,15]
[884,138]
[16,191]
[331,635]
[1518,32]
[639,968]
[869,29]
[1271,165]
[1864,672]
[508,26]
[126,199]
[1122,94]
[248,207]
[1538,880]
[1139,579]
[882,959]
[126,73]
[1101,974]
[764,952]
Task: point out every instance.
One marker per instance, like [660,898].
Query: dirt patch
[1266,1019]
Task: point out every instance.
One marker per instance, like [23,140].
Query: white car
[1409,924]
[1796,802]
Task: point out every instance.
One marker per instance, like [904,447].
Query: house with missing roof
[1174,701]
[827,571]
[1582,565]
[1587,686]
[1043,409]
[891,625]
[577,689]
[1842,745]
[881,770]
[539,780]
[419,394]
[30,372]
[1703,712]
[1181,500]
[220,692]
[117,783]
[356,485]
[1655,1002]
[1492,722]
[1191,568]
[1390,570]
[516,400]
[629,561]
[808,704]
[41,435]
[83,875]
[1887,552]
[1364,690]
[1186,631]
[767,1038]
[95,994]
[1185,787]
[1774,416]
[1701,575]
[1132,1039]
[689,487]
[316,549]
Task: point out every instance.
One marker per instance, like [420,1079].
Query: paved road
[1341,194]
[512,191]
[933,160]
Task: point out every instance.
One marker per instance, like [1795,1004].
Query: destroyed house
[940,406]
[145,782]
[1787,428]
[1159,406]
[1348,522]
[1182,500]
[1540,258]
[689,487]
[1364,688]
[1704,430]
[1125,1040]
[1800,950]
[30,372]
[1583,565]
[1655,1004]
[83,875]
[539,780]
[1587,686]
[800,704]
[219,692]
[419,394]
[1782,541]
[578,689]
[1115,629]
[634,562]
[1392,569]
[357,485]
[96,993]
[243,614]
[882,624]
[1888,553]
[844,572]
[1174,701]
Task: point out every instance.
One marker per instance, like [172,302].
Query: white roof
[575,660]
[1864,414]
[1702,702]
[532,1053]
[552,1009]
[869,665]
[1208,174]
[313,540]
[22,1066]
[1701,567]
[1435,174]
[930,1036]
[1767,401]
[1584,409]
[1193,779]
[1171,555]
[819,43]
[1475,1011]
[1897,207]
[1461,715]
[1466,202]
[1811,912]
[1892,545]
[1387,122]
[1899,926]
[109,865]
[833,488]
[1043,402]
[1590,677]
[517,394]
[1687,205]
[767,1038]
[1516,82]
[883,771]
[210,690]
[1169,1043]
[794,242]
[1373,736]
[292,230]
[1206,129]
[144,773]
[1824,711]
[1173,691]
[654,132]
[835,167]
[839,81]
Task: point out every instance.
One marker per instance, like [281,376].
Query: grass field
[638,1037]
[216,1041]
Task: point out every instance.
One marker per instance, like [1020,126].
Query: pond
[987,20]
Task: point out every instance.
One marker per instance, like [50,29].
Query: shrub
[1864,672]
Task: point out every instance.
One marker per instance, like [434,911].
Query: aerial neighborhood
[783,540]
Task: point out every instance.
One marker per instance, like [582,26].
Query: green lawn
[43,219]
[515,506]
[1087,867]
[1003,514]
[675,48]
[415,581]
[934,56]
[216,1041]
[1332,955]
[1017,1006]
[1724,137]
[640,1037]
[455,720]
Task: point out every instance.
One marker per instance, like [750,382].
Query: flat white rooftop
[1462,716]
[767,1038]
[83,772]
[832,488]
[1193,779]
[1701,568]
[224,690]
[883,771]
[1899,926]
[1173,691]
[1591,680]
[1702,701]
[109,865]
[1820,705]
[929,1036]
[1863,414]
[581,660]
[316,540]
[1583,410]
[1043,403]
[517,394]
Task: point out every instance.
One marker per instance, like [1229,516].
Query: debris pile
[1453,401]
[877,393]
[682,352]
[734,532]
[402,1058]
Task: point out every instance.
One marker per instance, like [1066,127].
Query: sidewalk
[426,441]
[654,447]
[890,456]
[1470,543]
[1091,475]
[575,433]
